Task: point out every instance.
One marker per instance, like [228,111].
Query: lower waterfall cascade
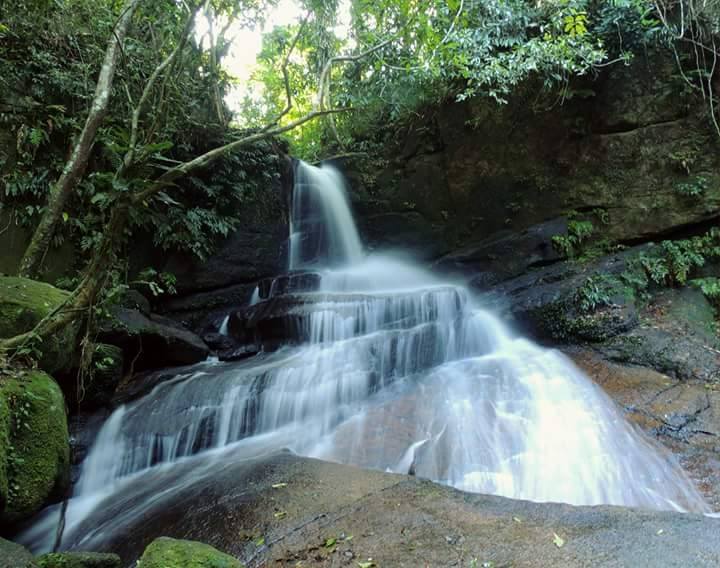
[377,363]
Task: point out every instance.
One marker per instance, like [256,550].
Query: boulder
[23,303]
[15,556]
[78,560]
[284,510]
[152,341]
[173,553]
[37,454]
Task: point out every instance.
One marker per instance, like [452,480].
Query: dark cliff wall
[624,149]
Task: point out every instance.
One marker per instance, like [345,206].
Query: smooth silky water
[395,370]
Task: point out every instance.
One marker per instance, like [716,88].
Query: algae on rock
[23,303]
[166,552]
[78,560]
[35,458]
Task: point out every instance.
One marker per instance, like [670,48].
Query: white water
[395,370]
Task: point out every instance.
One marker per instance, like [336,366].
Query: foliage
[710,287]
[578,232]
[672,263]
[597,291]
[458,49]
[49,57]
[694,188]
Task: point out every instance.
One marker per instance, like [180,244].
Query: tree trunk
[75,167]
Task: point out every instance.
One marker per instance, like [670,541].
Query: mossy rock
[13,555]
[78,560]
[23,303]
[36,458]
[4,449]
[166,552]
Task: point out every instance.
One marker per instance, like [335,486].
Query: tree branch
[137,112]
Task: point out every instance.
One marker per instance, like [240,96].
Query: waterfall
[322,229]
[387,366]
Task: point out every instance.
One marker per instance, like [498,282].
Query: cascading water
[385,367]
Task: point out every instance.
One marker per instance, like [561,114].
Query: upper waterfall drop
[322,229]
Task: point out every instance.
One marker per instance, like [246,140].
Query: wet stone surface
[683,416]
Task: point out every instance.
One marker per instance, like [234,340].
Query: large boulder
[23,303]
[284,510]
[13,555]
[173,553]
[152,341]
[34,445]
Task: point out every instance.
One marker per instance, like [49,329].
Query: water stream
[386,366]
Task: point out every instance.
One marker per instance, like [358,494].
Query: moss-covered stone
[171,553]
[23,303]
[4,449]
[78,560]
[13,555]
[37,455]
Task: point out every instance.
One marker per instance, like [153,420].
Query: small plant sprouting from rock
[578,232]
[597,291]
[694,188]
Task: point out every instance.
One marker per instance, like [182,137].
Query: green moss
[13,555]
[170,553]
[4,449]
[78,560]
[38,453]
[23,303]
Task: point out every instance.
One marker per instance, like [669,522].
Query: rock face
[172,553]
[15,556]
[467,172]
[283,509]
[23,303]
[152,341]
[34,447]
[683,415]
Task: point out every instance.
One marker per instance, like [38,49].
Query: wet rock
[218,341]
[172,553]
[152,341]
[683,416]
[675,336]
[546,302]
[505,254]
[290,283]
[241,352]
[284,509]
[201,312]
[15,556]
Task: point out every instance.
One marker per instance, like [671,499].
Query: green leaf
[558,541]
[65,217]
